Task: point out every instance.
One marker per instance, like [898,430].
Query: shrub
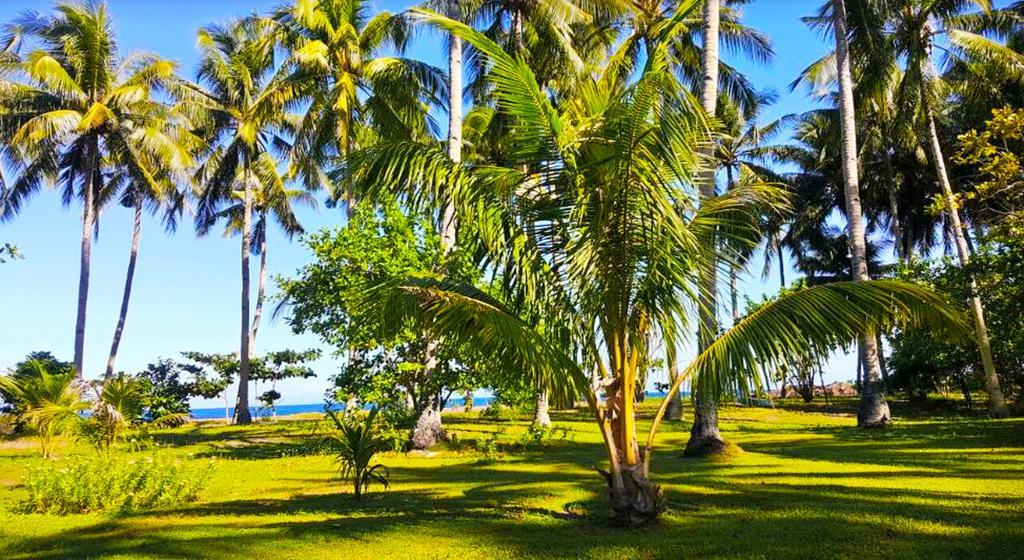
[8,424]
[113,483]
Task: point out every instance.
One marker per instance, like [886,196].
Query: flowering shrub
[116,483]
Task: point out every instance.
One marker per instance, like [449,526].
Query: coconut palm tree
[356,94]
[271,199]
[242,113]
[873,410]
[599,219]
[336,63]
[645,18]
[76,115]
[158,193]
[915,25]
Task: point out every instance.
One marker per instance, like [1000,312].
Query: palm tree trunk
[782,266]
[894,207]
[996,403]
[128,279]
[704,436]
[428,429]
[261,288]
[873,410]
[541,417]
[674,412]
[88,224]
[242,414]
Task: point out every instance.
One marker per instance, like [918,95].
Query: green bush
[118,483]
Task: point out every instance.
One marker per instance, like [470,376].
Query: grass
[807,484]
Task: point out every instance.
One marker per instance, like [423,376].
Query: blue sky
[186,289]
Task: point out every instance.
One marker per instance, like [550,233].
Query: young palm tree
[49,402]
[598,223]
[76,114]
[242,113]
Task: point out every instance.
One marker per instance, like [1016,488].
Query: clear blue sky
[186,289]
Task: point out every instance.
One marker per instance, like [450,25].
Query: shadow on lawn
[717,510]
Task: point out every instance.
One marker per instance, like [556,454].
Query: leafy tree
[326,298]
[168,388]
[271,367]
[81,117]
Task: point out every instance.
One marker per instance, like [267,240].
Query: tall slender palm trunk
[428,429]
[996,403]
[674,413]
[129,278]
[261,289]
[873,410]
[705,438]
[242,414]
[85,263]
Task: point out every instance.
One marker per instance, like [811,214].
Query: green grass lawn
[808,484]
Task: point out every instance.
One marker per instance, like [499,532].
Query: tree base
[428,430]
[242,416]
[637,503]
[998,412]
[873,412]
[674,411]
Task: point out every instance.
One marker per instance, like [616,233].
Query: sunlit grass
[806,485]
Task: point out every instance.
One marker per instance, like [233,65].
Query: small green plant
[8,424]
[358,441]
[118,483]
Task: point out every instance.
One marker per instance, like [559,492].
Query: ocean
[286,409]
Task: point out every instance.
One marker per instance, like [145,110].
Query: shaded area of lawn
[808,485]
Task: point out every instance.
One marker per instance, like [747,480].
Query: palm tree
[915,25]
[705,438]
[355,93]
[335,64]
[76,114]
[646,18]
[243,115]
[598,220]
[49,402]
[874,410]
[271,198]
[178,145]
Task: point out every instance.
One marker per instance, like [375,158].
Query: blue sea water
[286,409]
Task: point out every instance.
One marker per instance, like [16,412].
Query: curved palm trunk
[704,435]
[128,280]
[996,403]
[873,410]
[242,414]
[634,499]
[428,429]
[85,262]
